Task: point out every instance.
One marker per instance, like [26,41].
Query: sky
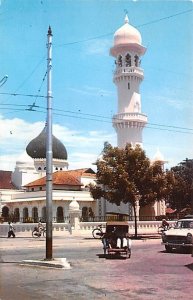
[84,95]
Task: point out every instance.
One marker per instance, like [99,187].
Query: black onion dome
[37,147]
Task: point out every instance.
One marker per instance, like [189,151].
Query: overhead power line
[137,26]
[165,18]
[26,95]
[25,80]
[92,117]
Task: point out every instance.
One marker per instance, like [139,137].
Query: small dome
[158,156]
[127,34]
[74,206]
[37,147]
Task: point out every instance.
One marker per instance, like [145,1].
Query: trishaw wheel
[35,234]
[97,233]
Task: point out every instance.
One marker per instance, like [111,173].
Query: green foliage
[125,175]
[180,196]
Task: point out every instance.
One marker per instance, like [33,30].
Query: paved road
[149,274]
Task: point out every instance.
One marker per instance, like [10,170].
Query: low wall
[143,227]
[28,227]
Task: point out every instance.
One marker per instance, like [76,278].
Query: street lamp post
[49,154]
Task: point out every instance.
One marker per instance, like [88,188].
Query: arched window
[128,85]
[136,60]
[5,213]
[56,168]
[60,169]
[91,214]
[60,214]
[120,61]
[137,107]
[25,214]
[35,214]
[85,214]
[16,215]
[128,60]
[44,168]
[43,218]
[39,168]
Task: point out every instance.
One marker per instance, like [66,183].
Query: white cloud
[92,91]
[174,102]
[99,47]
[82,147]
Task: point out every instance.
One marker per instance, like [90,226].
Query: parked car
[180,237]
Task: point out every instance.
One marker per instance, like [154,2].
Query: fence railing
[85,228]
[34,219]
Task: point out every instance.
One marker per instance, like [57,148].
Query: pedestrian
[11,230]
[165,224]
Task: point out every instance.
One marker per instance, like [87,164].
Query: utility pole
[49,153]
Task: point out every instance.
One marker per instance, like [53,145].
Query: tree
[126,175]
[180,196]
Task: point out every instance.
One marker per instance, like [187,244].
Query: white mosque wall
[24,172]
[143,227]
[22,177]
[85,181]
[60,195]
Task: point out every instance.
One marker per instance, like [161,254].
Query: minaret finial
[126,19]
[126,16]
[49,30]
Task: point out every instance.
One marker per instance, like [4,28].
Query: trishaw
[116,242]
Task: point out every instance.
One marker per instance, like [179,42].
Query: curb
[57,263]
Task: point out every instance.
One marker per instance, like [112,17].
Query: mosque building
[23,191]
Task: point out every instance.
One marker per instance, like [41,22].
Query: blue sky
[84,94]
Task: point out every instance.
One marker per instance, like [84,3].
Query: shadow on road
[190,266]
[174,251]
[109,256]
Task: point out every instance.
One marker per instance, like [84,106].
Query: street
[150,273]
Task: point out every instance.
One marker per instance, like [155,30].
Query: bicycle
[161,229]
[97,232]
[36,233]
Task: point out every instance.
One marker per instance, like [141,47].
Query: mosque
[23,191]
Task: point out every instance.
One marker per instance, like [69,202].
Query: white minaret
[127,50]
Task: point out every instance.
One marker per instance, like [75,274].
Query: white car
[179,237]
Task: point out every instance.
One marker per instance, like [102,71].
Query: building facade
[23,192]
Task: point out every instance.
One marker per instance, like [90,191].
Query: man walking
[11,230]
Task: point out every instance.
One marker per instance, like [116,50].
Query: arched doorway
[35,214]
[43,218]
[147,213]
[5,213]
[85,214]
[16,215]
[91,214]
[25,214]
[60,214]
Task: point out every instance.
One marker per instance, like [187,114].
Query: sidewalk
[80,234]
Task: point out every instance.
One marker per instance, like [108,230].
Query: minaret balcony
[129,117]
[128,71]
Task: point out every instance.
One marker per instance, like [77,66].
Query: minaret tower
[127,50]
